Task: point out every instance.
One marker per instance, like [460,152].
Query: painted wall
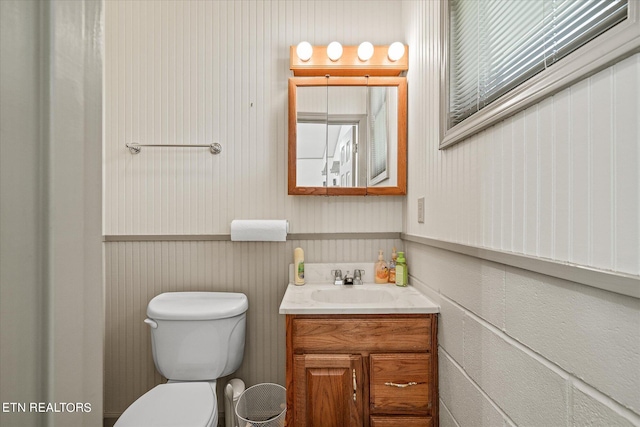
[558,181]
[196,72]
[22,255]
[51,283]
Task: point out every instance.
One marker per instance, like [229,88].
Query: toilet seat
[191,404]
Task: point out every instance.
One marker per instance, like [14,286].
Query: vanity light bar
[321,61]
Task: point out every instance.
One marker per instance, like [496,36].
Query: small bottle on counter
[392,266]
[402,276]
[298,266]
[381,270]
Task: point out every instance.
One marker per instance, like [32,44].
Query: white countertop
[325,298]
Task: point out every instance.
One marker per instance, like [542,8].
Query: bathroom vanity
[358,361]
[362,370]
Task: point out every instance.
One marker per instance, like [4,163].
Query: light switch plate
[421,210]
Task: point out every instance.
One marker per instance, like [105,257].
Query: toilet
[196,338]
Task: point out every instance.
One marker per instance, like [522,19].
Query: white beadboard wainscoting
[558,180]
[138,271]
[197,72]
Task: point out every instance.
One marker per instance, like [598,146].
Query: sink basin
[345,295]
[367,298]
[321,296]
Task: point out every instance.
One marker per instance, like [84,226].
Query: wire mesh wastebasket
[263,405]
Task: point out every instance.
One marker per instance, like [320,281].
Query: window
[503,56]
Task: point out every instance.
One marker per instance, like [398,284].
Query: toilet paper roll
[259,230]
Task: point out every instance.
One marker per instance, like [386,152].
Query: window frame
[615,44]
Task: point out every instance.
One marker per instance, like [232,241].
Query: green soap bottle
[402,276]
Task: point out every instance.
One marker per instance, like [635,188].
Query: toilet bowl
[197,337]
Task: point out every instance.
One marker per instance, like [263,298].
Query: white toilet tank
[197,336]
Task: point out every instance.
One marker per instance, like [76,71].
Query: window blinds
[495,45]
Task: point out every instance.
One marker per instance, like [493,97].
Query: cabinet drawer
[361,334]
[400,383]
[401,421]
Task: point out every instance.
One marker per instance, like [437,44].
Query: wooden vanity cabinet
[362,370]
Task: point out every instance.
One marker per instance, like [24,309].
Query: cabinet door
[328,390]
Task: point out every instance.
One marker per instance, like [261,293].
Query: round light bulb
[304,50]
[365,51]
[334,51]
[396,51]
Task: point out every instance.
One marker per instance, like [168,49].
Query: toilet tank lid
[197,305]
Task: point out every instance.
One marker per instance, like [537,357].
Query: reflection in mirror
[330,132]
[347,138]
[356,132]
[326,155]
[383,141]
[311,145]
[347,116]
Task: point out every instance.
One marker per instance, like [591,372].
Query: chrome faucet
[337,277]
[348,279]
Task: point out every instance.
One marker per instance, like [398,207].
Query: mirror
[347,135]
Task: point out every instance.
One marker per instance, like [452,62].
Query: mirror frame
[401,188]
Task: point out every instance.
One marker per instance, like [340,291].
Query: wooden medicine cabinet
[347,124]
[347,135]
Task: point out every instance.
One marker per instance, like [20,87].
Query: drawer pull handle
[409,384]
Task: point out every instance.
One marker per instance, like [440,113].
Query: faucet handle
[337,277]
[357,277]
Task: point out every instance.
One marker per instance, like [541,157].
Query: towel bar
[135,148]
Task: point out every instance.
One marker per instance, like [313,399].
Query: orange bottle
[381,270]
